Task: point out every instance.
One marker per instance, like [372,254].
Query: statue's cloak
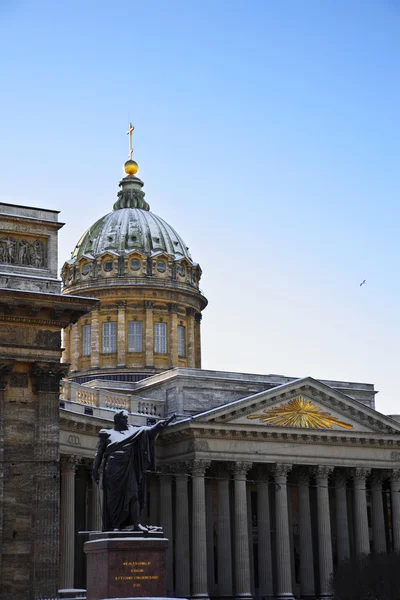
[126,463]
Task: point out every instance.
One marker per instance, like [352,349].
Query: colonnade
[241,530]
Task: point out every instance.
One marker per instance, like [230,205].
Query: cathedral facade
[264,483]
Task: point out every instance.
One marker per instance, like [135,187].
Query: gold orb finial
[131,167]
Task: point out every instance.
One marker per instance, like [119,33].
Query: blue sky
[267,133]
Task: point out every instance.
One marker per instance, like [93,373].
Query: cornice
[314,437]
[30,321]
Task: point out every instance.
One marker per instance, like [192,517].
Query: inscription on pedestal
[126,568]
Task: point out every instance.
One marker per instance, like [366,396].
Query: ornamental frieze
[299,412]
[23,252]
[11,335]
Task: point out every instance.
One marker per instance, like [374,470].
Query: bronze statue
[128,452]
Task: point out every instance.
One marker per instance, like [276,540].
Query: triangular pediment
[304,404]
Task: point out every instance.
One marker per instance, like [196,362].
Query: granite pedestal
[125,564]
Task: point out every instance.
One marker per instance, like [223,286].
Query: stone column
[378,520]
[307,583]
[182,546]
[199,538]
[341,517]
[95,355]
[224,535]
[97,521]
[265,582]
[210,537]
[241,532]
[75,347]
[190,338]
[149,346]
[282,541]
[324,531]
[121,336]
[67,525]
[173,336]
[197,340]
[395,498]
[167,523]
[361,531]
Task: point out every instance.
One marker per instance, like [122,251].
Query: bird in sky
[362,283]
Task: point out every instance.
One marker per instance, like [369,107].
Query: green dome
[127,229]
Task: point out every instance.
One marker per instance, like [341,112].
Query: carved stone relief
[16,251]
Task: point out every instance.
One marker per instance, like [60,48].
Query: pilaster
[121,337]
[149,347]
[173,335]
[190,337]
[95,355]
[75,347]
[197,340]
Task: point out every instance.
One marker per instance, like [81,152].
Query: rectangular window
[86,340]
[181,340]
[160,338]
[110,337]
[135,329]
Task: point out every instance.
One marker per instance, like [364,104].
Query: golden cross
[129,132]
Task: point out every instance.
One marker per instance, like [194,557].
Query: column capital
[173,307]
[47,377]
[69,463]
[395,475]
[5,370]
[323,471]
[239,469]
[361,473]
[190,311]
[198,317]
[179,468]
[198,467]
[121,304]
[281,469]
[148,304]
[96,308]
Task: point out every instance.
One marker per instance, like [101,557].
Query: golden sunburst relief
[299,413]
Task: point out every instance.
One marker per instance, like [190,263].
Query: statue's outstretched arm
[158,427]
